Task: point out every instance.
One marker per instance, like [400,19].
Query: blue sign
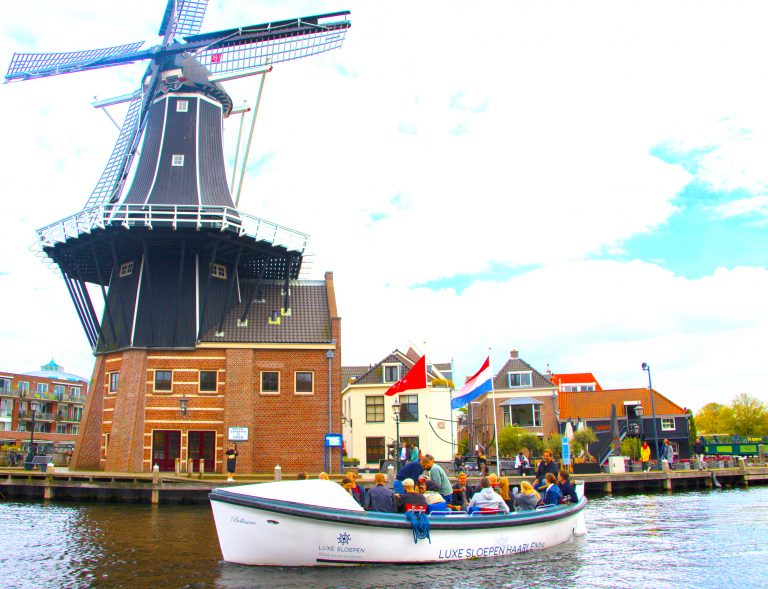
[566,450]
[333,440]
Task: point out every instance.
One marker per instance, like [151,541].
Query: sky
[584,182]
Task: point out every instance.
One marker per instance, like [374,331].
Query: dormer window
[519,379]
[178,160]
[182,105]
[391,372]
[219,271]
[126,269]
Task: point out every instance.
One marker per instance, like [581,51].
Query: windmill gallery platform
[173,489]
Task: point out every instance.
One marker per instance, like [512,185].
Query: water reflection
[697,539]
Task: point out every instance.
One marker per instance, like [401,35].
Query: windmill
[171,254]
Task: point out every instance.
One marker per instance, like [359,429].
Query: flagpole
[429,403]
[493,402]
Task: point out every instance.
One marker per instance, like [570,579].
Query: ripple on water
[694,539]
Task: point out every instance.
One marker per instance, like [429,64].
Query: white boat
[317,523]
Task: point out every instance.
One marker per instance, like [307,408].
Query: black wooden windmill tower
[170,253]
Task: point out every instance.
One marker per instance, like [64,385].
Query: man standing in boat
[437,475]
[231,455]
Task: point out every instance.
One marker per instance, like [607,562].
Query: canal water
[686,540]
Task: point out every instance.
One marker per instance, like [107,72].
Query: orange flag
[415,379]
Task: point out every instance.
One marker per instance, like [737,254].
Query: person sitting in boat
[487,498]
[431,492]
[566,487]
[494,481]
[527,499]
[348,483]
[503,492]
[323,476]
[409,497]
[462,493]
[380,497]
[547,465]
[412,471]
[437,474]
[357,490]
[552,494]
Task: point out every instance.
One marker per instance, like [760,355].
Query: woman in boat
[526,499]
[358,492]
[323,476]
[503,491]
[348,483]
[552,493]
[487,499]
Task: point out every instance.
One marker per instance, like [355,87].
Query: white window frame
[519,386]
[154,381]
[41,388]
[219,271]
[182,106]
[665,427]
[5,383]
[126,269]
[384,367]
[261,382]
[177,160]
[109,382]
[295,382]
[24,385]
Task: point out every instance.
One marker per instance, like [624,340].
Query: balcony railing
[39,415]
[67,419]
[176,216]
[47,396]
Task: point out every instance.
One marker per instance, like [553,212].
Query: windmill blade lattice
[110,185]
[188,19]
[33,65]
[248,47]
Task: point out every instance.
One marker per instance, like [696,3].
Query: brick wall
[86,453]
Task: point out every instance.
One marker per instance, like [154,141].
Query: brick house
[524,397]
[369,425]
[60,398]
[272,381]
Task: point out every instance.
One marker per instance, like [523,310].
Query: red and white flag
[415,379]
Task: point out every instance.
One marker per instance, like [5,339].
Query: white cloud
[546,163]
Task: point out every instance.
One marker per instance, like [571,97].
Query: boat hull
[255,532]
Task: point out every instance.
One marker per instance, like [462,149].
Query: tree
[510,440]
[554,442]
[749,416]
[714,418]
[530,441]
[693,434]
[630,446]
[581,440]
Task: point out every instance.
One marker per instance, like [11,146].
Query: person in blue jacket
[552,495]
[566,487]
[411,470]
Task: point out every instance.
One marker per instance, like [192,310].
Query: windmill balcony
[39,416]
[172,216]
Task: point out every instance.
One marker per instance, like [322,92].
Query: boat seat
[448,513]
[486,511]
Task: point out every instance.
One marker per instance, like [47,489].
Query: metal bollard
[177,466]
[155,474]
[201,472]
[278,473]
[390,474]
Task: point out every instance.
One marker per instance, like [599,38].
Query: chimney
[513,354]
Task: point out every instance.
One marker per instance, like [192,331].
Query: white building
[425,417]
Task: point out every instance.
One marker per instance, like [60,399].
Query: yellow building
[370,424]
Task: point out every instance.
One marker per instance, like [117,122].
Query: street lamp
[33,409]
[647,369]
[396,406]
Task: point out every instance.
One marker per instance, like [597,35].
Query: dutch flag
[478,385]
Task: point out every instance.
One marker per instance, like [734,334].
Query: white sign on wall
[238,434]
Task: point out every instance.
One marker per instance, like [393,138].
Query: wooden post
[201,472]
[608,487]
[48,492]
[177,466]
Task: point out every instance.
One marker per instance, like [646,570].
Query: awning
[521,401]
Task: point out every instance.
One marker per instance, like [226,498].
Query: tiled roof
[373,374]
[501,382]
[347,372]
[309,321]
[443,366]
[597,404]
[575,378]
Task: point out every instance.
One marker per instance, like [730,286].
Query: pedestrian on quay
[231,454]
[699,449]
[404,455]
[645,456]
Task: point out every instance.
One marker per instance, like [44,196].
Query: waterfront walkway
[170,488]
